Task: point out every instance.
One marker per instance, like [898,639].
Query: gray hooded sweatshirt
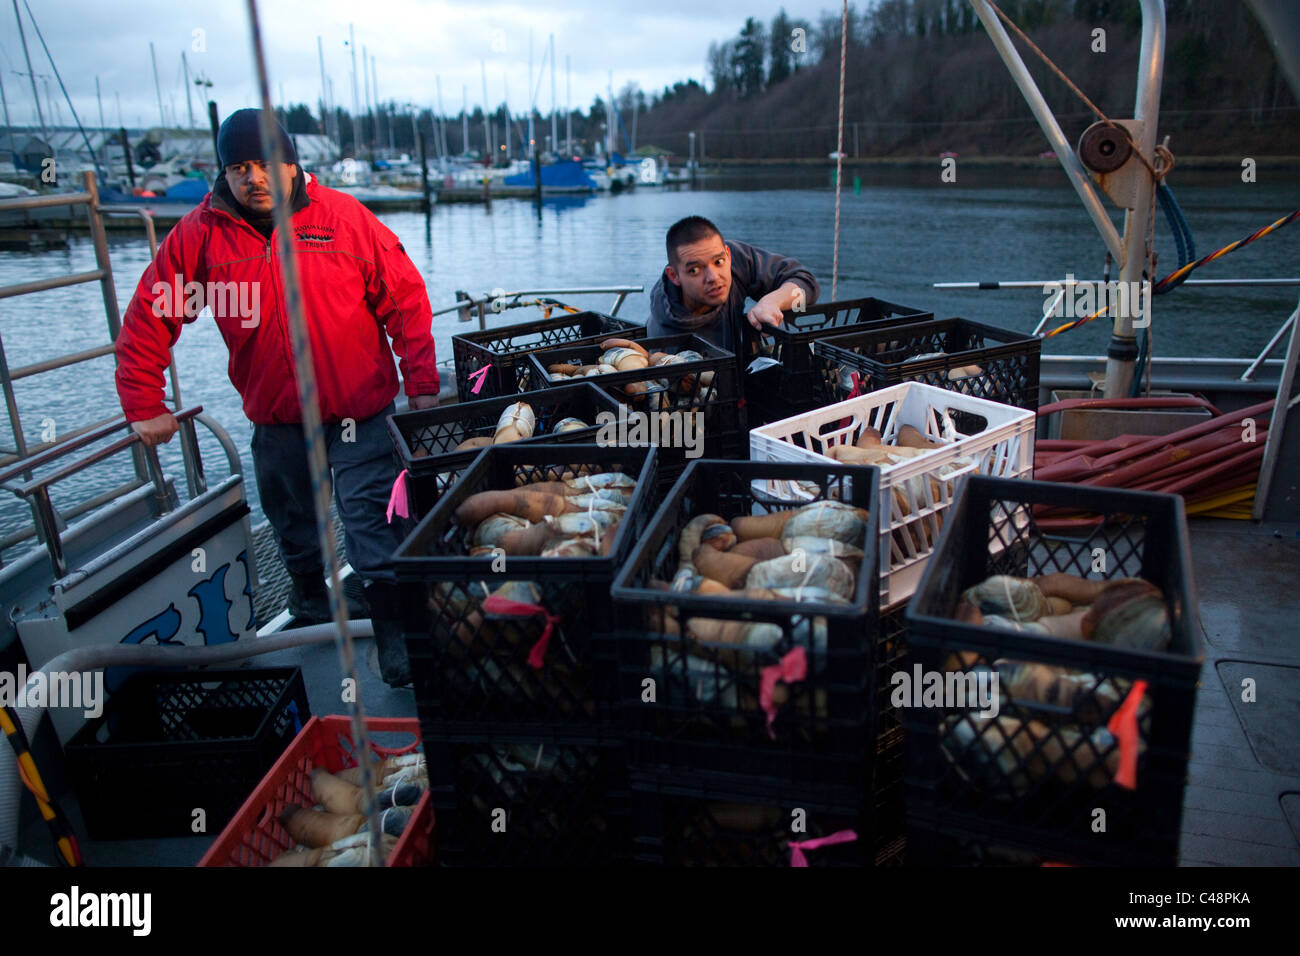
[754,273]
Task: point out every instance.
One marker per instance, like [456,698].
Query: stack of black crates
[428,440]
[692,409]
[795,383]
[722,773]
[1038,783]
[526,760]
[504,351]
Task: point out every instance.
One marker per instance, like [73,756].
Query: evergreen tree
[781,58]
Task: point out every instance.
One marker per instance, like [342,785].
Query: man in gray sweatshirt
[708,279]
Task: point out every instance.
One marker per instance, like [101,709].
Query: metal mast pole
[31,74]
[555,135]
[487,129]
[568,108]
[189,102]
[324,97]
[530,92]
[365,76]
[1122,351]
[356,102]
[442,123]
[162,118]
[509,131]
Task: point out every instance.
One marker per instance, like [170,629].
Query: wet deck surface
[1246,754]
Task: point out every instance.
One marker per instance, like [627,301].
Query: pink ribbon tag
[1123,725]
[397,502]
[793,667]
[500,605]
[796,849]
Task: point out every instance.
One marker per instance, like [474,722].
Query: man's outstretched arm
[778,283]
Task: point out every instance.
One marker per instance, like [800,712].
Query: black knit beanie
[240,139]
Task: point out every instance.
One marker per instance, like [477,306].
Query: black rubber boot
[309,600]
[390,636]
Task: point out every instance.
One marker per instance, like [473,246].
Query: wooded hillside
[922,77]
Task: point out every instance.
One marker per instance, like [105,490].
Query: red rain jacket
[359,289]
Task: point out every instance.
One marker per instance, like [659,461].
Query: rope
[1179,275]
[318,462]
[839,149]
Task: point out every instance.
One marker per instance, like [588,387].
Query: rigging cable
[839,149]
[317,460]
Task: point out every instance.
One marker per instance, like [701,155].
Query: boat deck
[1242,804]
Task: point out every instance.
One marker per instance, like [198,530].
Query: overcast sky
[652,43]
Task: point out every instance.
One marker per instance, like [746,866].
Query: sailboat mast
[324,99]
[487,129]
[162,118]
[31,74]
[356,103]
[530,91]
[189,103]
[509,134]
[442,123]
[568,107]
[555,136]
[365,76]
[464,119]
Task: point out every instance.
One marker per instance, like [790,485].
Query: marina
[906,443]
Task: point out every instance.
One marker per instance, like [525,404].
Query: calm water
[904,231]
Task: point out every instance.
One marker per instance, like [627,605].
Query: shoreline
[991,162]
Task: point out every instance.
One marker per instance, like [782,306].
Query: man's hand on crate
[767,311]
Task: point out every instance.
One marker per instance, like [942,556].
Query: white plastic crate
[915,493]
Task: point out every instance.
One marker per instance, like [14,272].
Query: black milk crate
[714,411]
[1007,361]
[707,723]
[791,344]
[483,670]
[1056,763]
[529,804]
[691,831]
[503,350]
[169,743]
[426,440]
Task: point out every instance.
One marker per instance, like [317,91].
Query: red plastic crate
[254,836]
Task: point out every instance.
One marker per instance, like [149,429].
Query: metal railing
[498,300]
[23,457]
[37,490]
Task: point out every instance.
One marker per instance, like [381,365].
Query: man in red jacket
[359,290]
